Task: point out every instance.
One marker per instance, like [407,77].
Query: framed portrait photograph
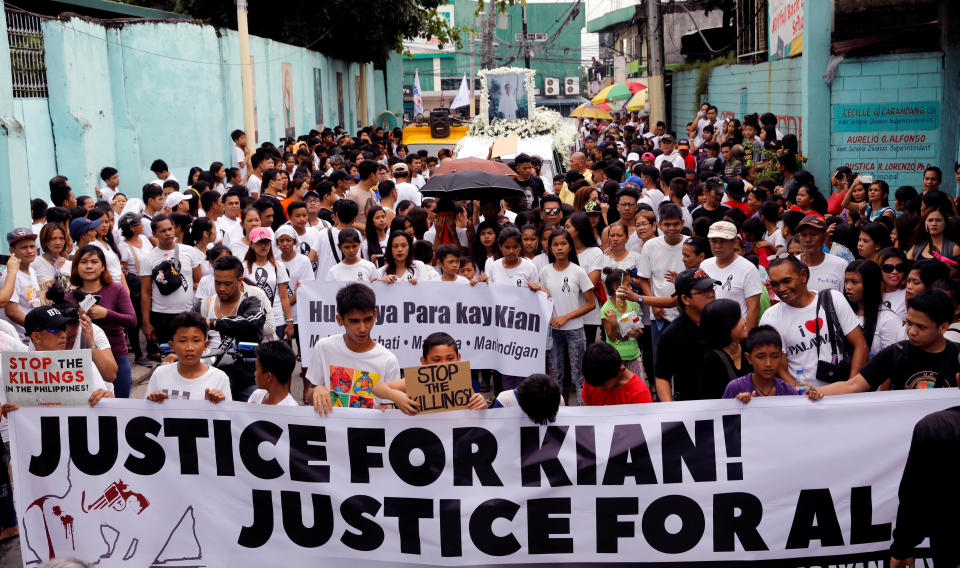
[507,93]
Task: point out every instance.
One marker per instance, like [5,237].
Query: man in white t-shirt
[160,169]
[344,368]
[670,153]
[26,291]
[183,272]
[111,180]
[739,278]
[228,224]
[405,189]
[826,270]
[804,328]
[661,259]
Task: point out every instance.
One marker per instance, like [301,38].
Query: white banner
[778,482]
[497,326]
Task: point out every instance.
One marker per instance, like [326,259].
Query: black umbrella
[460,186]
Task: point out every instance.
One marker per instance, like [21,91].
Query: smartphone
[865,179]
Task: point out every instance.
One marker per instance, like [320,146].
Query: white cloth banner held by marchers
[47,378]
[497,326]
[707,482]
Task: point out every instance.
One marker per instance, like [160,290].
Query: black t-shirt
[680,358]
[910,367]
[536,185]
[714,216]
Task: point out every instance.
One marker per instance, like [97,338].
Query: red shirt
[738,205]
[635,391]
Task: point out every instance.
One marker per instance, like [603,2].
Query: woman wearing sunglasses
[894,267]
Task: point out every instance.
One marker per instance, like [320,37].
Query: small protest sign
[47,378]
[440,387]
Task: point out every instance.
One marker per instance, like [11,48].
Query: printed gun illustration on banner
[115,495]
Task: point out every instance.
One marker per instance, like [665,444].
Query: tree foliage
[352,30]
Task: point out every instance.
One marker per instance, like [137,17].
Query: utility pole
[473,74]
[655,64]
[526,48]
[246,75]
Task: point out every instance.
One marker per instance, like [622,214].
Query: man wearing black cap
[680,349]
[26,290]
[826,270]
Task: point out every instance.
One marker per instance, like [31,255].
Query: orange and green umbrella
[618,92]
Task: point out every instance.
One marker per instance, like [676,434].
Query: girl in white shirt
[271,277]
[376,233]
[590,259]
[862,288]
[572,293]
[400,264]
[352,268]
[512,269]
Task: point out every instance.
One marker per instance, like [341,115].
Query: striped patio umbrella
[618,92]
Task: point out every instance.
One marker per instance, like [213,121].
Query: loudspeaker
[439,123]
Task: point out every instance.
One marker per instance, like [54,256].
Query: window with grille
[25,34]
[751,30]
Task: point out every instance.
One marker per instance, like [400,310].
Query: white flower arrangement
[544,122]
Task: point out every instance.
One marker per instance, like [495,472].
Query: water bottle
[802,385]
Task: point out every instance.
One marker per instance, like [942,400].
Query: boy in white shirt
[352,268]
[344,368]
[26,292]
[275,363]
[189,378]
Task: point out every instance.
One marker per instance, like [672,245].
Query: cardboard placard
[440,387]
[47,378]
[504,146]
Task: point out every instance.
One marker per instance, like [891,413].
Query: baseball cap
[283,231]
[722,230]
[648,156]
[667,138]
[260,233]
[311,193]
[400,167]
[19,234]
[693,279]
[80,226]
[44,317]
[814,221]
[592,207]
[591,138]
[620,144]
[683,144]
[174,199]
[633,157]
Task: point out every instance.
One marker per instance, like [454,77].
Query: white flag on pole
[463,95]
[417,99]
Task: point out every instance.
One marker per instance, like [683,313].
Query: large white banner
[778,482]
[497,326]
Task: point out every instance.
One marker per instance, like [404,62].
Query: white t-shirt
[739,280]
[298,272]
[591,259]
[656,258]
[653,198]
[418,180]
[627,263]
[26,294]
[541,260]
[410,192]
[180,299]
[519,275]
[167,378]
[228,230]
[566,288]
[797,328]
[308,241]
[131,256]
[239,156]
[828,274]
[327,254]
[896,301]
[113,261]
[360,271]
[418,271]
[675,158]
[887,330]
[775,238]
[100,340]
[253,185]
[45,271]
[268,278]
[349,375]
[206,287]
[258,395]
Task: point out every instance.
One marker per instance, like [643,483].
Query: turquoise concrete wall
[737,90]
[14,199]
[40,150]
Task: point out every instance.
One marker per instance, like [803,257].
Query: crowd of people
[703,267]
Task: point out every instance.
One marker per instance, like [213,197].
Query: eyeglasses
[626,204]
[551,211]
[781,255]
[891,268]
[52,330]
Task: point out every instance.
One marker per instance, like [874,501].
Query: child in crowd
[352,268]
[438,348]
[608,381]
[764,350]
[512,268]
[448,255]
[345,368]
[538,396]
[299,270]
[467,268]
[612,309]
[189,378]
[275,364]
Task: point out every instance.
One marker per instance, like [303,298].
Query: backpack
[167,275]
